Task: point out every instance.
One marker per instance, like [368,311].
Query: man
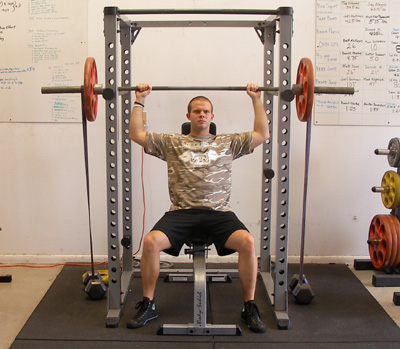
[199,180]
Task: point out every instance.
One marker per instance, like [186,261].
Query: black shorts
[217,226]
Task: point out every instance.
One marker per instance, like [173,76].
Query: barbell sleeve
[298,89]
[61,89]
[374,241]
[98,89]
[334,90]
[378,189]
[382,151]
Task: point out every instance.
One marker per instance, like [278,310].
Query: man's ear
[188,116]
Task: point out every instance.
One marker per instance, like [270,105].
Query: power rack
[275,31]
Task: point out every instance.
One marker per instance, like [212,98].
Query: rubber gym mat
[342,313]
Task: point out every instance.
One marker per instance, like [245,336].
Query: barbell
[304,89]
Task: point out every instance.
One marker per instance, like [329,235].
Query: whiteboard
[358,45]
[42,43]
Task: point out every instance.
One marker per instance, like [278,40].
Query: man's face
[200,117]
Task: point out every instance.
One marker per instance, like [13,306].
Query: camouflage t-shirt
[199,167]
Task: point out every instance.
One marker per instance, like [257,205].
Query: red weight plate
[89,97]
[305,100]
[392,255]
[387,235]
[395,257]
[379,251]
[375,253]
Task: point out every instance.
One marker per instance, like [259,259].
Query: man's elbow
[132,135]
[259,138]
[264,136]
[138,137]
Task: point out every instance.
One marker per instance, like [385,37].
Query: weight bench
[198,249]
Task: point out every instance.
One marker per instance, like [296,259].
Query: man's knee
[241,241]
[155,242]
[248,242]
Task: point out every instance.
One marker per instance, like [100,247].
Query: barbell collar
[108,94]
[288,95]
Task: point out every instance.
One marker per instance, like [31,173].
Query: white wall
[42,188]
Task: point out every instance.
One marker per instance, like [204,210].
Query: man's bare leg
[154,242]
[242,242]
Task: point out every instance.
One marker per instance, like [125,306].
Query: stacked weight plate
[384,230]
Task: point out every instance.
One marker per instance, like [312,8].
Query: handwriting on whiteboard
[358,45]
[45,42]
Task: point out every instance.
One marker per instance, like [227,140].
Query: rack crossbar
[200,24]
[200,11]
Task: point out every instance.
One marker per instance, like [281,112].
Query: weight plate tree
[384,231]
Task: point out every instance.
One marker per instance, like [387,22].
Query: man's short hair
[189,107]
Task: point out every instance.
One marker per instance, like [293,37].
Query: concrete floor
[20,297]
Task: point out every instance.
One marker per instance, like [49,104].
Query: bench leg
[199,327]
[200,291]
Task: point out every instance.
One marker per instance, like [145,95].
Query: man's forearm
[261,125]
[136,125]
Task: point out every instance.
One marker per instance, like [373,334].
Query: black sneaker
[251,316]
[147,311]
